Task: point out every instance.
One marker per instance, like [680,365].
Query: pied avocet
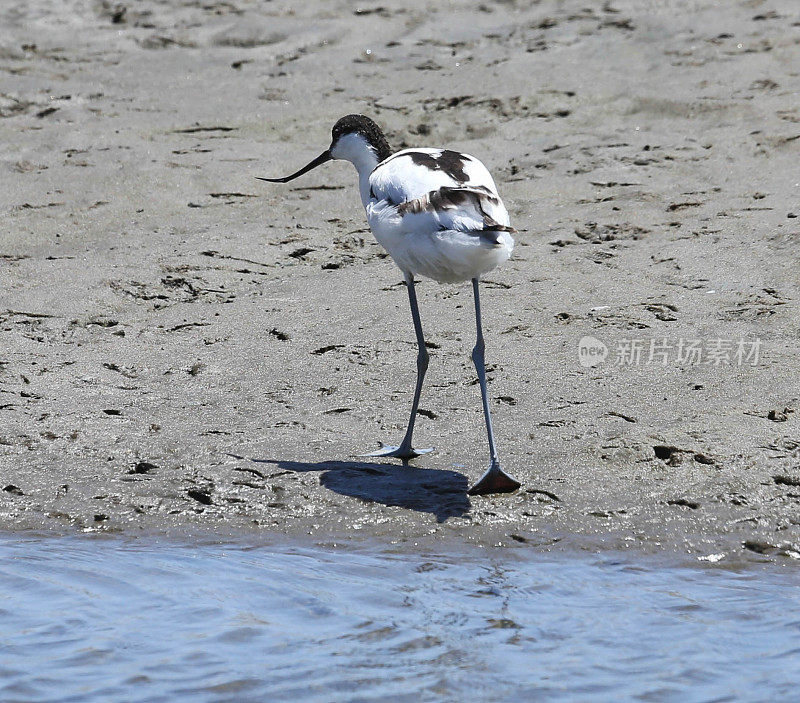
[438,214]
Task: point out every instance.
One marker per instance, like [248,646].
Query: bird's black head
[355,138]
[362,126]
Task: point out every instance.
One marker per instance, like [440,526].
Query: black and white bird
[438,214]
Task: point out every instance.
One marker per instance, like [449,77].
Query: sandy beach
[183,347]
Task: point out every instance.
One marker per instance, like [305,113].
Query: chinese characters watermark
[662,351]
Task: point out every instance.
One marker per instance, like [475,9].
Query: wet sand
[183,347]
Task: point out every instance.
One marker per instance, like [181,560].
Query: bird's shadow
[441,493]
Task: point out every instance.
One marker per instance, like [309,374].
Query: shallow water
[97,619]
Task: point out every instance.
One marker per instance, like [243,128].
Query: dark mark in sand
[232,195]
[680,206]
[283,336]
[143,467]
[193,130]
[627,418]
[684,503]
[200,496]
[541,491]
[215,254]
[28,314]
[187,325]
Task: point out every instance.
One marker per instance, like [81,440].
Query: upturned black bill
[321,159]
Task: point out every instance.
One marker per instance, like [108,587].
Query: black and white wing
[438,189]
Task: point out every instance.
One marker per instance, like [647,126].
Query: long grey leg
[422,361]
[495,480]
[405,451]
[480,368]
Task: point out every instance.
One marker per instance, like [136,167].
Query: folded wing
[411,173]
[437,189]
[460,209]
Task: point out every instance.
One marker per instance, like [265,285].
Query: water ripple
[97,620]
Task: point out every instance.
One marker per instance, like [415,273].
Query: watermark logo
[591,352]
[684,351]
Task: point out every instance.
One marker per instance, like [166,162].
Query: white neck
[355,149]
